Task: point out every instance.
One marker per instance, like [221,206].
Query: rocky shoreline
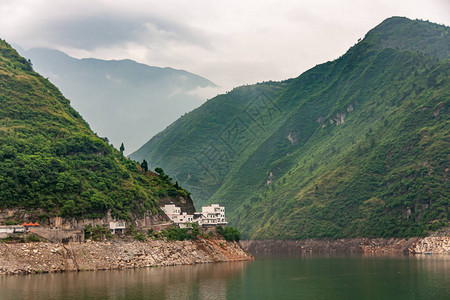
[42,257]
[31,258]
[439,244]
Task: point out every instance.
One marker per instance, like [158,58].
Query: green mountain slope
[353,147]
[53,164]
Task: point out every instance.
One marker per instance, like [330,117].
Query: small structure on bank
[211,215]
[117,227]
[11,229]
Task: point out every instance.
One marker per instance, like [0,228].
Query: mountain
[123,100]
[52,164]
[357,146]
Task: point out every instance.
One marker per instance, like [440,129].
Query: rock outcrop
[29,258]
[432,244]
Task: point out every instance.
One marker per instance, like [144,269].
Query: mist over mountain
[357,146]
[123,100]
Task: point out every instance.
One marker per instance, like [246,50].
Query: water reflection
[268,277]
[207,281]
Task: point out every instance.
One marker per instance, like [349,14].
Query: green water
[270,277]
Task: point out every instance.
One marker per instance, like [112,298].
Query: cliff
[29,258]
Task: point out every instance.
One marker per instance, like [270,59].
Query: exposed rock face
[432,244]
[21,215]
[186,204]
[47,257]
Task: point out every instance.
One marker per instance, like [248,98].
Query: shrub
[177,234]
[139,236]
[229,234]
[96,233]
[33,238]
[11,222]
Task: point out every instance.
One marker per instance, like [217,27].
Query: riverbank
[439,244]
[30,258]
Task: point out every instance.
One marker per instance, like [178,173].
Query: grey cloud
[91,32]
[231,43]
[98,31]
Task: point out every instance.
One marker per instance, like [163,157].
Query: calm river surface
[268,277]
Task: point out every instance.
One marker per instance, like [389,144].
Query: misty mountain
[123,100]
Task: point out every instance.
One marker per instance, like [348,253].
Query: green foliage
[122,148]
[13,238]
[96,233]
[195,230]
[139,236]
[163,176]
[11,222]
[353,147]
[229,233]
[51,160]
[180,234]
[144,166]
[33,238]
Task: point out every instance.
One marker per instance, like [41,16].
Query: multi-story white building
[210,215]
[174,213]
[171,210]
[213,214]
[183,220]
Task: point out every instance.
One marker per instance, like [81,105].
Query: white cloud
[206,93]
[229,42]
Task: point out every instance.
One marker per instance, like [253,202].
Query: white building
[213,214]
[171,210]
[174,213]
[210,215]
[183,220]
[11,229]
[117,226]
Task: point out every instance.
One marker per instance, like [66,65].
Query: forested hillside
[53,164]
[358,146]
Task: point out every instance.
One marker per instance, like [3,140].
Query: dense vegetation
[354,147]
[180,234]
[229,233]
[53,164]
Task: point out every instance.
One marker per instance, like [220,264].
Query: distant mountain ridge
[123,100]
[353,147]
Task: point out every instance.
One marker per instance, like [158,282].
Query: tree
[122,148]
[162,175]
[144,166]
[30,64]
[229,233]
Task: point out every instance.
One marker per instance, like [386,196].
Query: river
[268,277]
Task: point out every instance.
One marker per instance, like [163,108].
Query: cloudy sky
[229,42]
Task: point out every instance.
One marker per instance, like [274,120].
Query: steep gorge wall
[28,258]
